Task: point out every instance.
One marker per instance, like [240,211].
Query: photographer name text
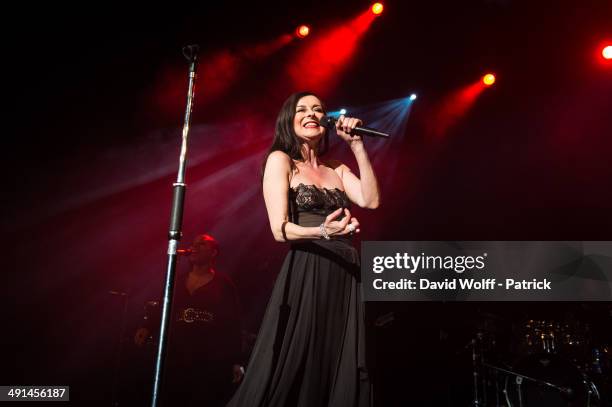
[461,284]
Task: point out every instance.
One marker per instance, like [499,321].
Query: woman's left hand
[344,125]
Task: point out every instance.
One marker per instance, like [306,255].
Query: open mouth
[311,124]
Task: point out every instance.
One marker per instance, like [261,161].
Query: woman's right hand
[348,224]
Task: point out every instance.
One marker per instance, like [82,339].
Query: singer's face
[308,112]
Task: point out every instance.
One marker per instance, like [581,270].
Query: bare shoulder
[279,161]
[279,157]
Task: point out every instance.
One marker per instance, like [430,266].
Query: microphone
[330,123]
[184,252]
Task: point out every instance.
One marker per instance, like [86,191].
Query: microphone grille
[327,121]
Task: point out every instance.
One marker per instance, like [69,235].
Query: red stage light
[332,50]
[453,107]
[377,8]
[488,79]
[302,31]
[606,52]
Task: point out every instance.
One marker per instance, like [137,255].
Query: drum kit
[550,363]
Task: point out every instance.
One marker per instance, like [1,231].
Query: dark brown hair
[285,139]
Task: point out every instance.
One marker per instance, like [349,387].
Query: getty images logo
[404,261]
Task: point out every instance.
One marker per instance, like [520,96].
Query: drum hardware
[517,391]
[519,381]
[475,373]
[477,347]
[555,364]
[553,376]
[599,362]
[519,378]
[550,336]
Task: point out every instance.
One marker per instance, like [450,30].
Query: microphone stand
[175,231]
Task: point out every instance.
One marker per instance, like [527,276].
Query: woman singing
[310,350]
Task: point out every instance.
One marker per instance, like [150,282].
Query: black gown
[310,350]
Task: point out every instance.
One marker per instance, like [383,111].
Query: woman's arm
[362,190]
[275,190]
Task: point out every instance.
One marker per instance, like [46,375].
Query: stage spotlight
[302,31]
[606,52]
[413,96]
[342,111]
[488,79]
[377,9]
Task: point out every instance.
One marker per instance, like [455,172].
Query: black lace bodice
[310,198]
